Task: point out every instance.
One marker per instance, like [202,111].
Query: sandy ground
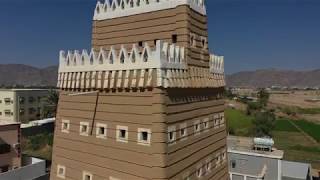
[296,98]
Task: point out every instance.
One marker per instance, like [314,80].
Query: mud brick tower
[146,102]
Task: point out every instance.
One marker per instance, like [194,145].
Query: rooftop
[244,145]
[295,169]
[23,89]
[6,122]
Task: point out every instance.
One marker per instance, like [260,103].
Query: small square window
[208,165]
[183,131]
[144,136]
[101,131]
[84,128]
[206,124]
[87,176]
[140,43]
[199,171]
[122,134]
[197,127]
[61,172]
[65,126]
[171,134]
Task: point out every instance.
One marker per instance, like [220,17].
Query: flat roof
[295,170]
[244,145]
[24,89]
[6,122]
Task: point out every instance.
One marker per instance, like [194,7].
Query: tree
[263,97]
[264,123]
[50,109]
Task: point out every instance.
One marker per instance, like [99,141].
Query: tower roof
[119,8]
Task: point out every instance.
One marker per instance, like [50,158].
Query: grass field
[310,128]
[239,122]
[285,125]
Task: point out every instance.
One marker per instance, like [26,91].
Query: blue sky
[251,34]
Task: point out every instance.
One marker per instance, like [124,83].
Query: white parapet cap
[216,64]
[120,8]
[164,56]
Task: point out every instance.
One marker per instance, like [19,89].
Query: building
[22,105]
[10,153]
[146,101]
[31,169]
[251,160]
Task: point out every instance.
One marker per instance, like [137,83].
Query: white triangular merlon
[119,8]
[216,64]
[164,56]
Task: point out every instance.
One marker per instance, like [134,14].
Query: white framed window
[224,155]
[186,176]
[87,176]
[122,134]
[84,128]
[183,131]
[61,171]
[218,160]
[199,171]
[208,165]
[222,119]
[206,124]
[216,121]
[101,131]
[204,44]
[144,136]
[65,126]
[172,134]
[193,40]
[197,127]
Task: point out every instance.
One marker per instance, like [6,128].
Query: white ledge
[121,8]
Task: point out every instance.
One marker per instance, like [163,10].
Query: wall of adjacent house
[11,135]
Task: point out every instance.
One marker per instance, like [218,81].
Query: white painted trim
[254,154]
[108,11]
[87,130]
[142,142]
[63,121]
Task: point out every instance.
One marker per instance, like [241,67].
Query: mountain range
[24,75]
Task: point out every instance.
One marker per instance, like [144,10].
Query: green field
[309,110]
[239,122]
[310,128]
[285,125]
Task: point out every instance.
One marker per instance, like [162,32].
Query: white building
[22,105]
[249,161]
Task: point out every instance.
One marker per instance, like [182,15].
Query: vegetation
[310,128]
[285,125]
[263,97]
[264,123]
[238,122]
[52,100]
[39,145]
[309,110]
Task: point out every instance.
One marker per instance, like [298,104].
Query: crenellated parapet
[217,68]
[138,67]
[119,8]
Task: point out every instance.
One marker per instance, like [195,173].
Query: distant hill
[273,77]
[23,75]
